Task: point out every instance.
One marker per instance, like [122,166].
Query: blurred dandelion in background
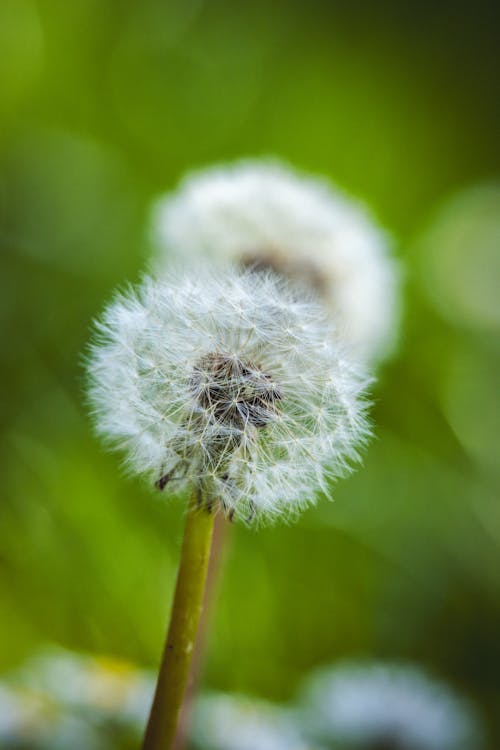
[265,215]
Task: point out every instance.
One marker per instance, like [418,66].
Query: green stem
[220,537]
[184,619]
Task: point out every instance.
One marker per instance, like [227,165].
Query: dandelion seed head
[265,216]
[231,382]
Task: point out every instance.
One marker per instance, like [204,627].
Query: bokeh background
[104,104]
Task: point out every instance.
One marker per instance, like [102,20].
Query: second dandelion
[263,214]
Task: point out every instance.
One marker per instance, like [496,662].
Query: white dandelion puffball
[236,722]
[392,706]
[262,214]
[229,382]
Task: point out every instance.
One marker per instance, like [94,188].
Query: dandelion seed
[263,215]
[230,382]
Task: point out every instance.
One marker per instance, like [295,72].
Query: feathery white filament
[231,382]
[264,214]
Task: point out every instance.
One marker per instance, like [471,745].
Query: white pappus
[229,382]
[262,214]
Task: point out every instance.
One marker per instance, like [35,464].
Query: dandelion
[261,214]
[382,705]
[232,384]
[229,383]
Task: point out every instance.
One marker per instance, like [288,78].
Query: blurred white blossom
[29,718]
[262,214]
[390,706]
[95,684]
[58,700]
[232,722]
[229,382]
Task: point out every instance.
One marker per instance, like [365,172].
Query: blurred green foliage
[104,104]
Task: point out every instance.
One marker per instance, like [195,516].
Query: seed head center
[234,393]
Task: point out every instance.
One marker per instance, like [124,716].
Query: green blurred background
[104,105]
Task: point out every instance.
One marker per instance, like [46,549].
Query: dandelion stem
[218,552]
[184,619]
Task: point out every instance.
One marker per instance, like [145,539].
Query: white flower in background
[392,706]
[58,700]
[229,382]
[91,685]
[232,722]
[17,713]
[262,214]
[29,718]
